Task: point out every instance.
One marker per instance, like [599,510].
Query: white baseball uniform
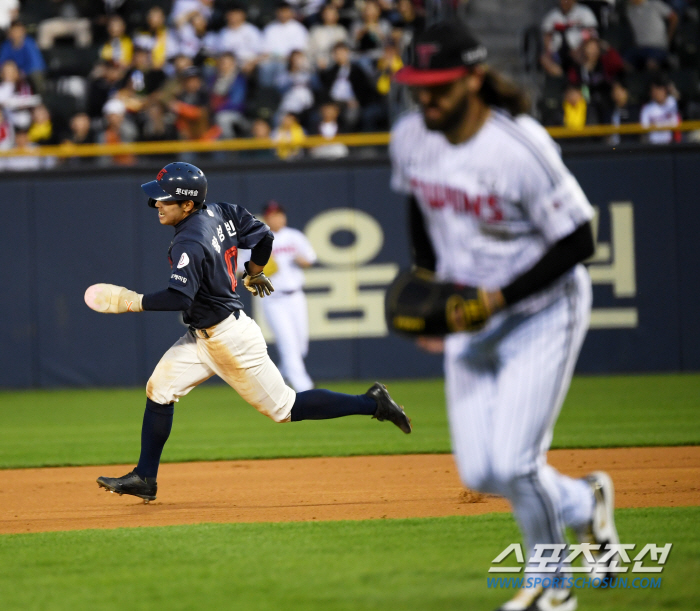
[493,206]
[285,310]
[660,115]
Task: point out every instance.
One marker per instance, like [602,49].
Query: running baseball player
[499,228]
[285,310]
[222,340]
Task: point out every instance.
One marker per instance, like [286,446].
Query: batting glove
[258,284]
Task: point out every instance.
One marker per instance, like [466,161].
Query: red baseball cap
[272,206]
[442,53]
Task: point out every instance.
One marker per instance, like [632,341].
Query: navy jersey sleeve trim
[181,289]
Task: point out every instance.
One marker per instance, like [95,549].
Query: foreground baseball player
[285,310]
[499,227]
[221,339]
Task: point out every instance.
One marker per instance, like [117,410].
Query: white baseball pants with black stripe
[505,387]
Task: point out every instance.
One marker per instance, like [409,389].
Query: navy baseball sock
[319,404]
[157,422]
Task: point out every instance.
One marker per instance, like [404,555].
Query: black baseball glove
[417,305]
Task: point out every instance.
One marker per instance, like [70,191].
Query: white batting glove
[112,299]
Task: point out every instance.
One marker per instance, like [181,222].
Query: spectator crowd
[116,71]
[621,61]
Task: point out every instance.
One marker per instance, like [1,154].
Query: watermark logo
[570,581]
[559,558]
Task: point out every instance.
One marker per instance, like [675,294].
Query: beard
[448,121]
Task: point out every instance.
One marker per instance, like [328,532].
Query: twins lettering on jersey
[485,206]
[179,278]
[290,249]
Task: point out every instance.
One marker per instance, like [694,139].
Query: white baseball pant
[237,353]
[287,315]
[505,387]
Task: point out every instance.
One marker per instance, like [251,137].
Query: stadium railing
[249,144]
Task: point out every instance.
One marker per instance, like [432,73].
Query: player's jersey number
[230,256]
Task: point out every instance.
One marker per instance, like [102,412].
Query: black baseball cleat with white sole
[131,484]
[601,529]
[388,409]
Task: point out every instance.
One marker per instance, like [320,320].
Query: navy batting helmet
[177,182]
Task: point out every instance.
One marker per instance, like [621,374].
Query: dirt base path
[355,488]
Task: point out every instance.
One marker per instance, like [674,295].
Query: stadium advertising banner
[70,231]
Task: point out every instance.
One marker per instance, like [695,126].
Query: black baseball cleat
[387,408]
[131,484]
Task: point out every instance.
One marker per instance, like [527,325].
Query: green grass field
[426,564]
[81,427]
[411,565]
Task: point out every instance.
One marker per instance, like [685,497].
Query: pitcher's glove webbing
[417,305]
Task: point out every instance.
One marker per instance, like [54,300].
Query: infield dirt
[352,488]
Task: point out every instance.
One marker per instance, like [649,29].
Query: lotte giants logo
[425,52]
[160,174]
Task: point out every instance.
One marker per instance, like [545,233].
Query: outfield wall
[65,231]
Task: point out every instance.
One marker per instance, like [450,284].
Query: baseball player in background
[285,310]
[222,340]
[493,207]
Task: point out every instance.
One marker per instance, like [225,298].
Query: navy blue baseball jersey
[203,257]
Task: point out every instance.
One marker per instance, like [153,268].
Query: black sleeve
[169,300]
[422,250]
[260,253]
[566,253]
